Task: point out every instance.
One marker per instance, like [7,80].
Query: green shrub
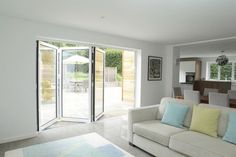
[118,77]
[114,59]
[81,76]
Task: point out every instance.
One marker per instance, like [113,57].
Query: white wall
[172,69]
[169,70]
[18,70]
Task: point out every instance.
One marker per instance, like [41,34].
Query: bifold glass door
[76,96]
[47,84]
[98,83]
[70,84]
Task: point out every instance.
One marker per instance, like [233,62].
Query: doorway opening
[119,81]
[75,80]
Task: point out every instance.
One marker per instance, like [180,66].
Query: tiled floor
[109,128]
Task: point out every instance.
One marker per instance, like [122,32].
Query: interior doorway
[81,83]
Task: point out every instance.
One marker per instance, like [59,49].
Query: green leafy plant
[114,59]
[118,77]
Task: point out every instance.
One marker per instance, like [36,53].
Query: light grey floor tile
[109,128]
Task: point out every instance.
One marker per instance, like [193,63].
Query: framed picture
[154,68]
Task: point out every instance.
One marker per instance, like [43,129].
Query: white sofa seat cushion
[200,145]
[156,131]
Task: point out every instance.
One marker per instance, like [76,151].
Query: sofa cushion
[195,144]
[167,100]
[205,120]
[230,134]
[223,119]
[175,114]
[156,131]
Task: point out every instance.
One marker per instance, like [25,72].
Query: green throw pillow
[205,120]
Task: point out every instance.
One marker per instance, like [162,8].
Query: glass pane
[226,72]
[213,71]
[75,97]
[128,64]
[47,84]
[99,68]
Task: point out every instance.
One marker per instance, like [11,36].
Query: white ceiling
[209,49]
[162,21]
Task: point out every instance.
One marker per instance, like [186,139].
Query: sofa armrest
[140,114]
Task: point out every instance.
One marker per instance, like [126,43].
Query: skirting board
[17,138]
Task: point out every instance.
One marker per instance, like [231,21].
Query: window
[213,71]
[226,72]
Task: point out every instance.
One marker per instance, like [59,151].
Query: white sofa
[158,139]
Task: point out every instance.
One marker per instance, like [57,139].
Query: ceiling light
[222,59]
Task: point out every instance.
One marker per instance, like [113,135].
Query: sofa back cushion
[205,120]
[230,134]
[168,100]
[175,114]
[223,119]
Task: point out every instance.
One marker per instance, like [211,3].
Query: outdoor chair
[85,85]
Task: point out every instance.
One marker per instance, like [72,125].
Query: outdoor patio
[76,105]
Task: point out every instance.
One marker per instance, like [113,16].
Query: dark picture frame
[154,68]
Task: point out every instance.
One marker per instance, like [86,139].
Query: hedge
[114,59]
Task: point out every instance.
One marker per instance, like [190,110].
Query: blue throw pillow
[230,134]
[175,114]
